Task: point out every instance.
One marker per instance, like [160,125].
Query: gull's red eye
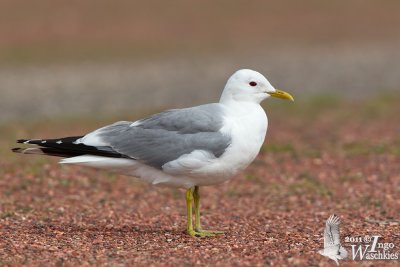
[252,83]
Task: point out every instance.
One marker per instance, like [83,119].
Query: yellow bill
[281,94]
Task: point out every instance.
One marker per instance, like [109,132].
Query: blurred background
[96,57]
[69,67]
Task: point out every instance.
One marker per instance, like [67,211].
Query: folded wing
[166,136]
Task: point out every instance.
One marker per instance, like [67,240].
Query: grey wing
[331,231]
[166,136]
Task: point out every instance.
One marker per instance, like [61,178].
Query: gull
[185,148]
[332,248]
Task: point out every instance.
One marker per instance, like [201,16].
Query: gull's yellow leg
[190,230]
[197,225]
[196,197]
[189,199]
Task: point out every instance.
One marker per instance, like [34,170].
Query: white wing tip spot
[30,140]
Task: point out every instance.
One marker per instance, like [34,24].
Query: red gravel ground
[327,157]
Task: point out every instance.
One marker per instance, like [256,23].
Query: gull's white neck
[246,112]
[241,106]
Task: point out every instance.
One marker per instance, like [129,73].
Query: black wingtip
[17,150]
[21,141]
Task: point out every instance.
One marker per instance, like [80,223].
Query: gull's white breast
[247,124]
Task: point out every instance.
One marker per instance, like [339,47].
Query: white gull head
[250,86]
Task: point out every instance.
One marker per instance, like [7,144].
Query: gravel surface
[347,163]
